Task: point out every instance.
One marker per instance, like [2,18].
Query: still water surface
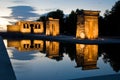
[47,60]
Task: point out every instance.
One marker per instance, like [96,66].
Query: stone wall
[52,49]
[86,56]
[87,25]
[13,28]
[26,27]
[52,27]
[26,45]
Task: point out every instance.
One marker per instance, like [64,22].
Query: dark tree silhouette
[102,27]
[110,55]
[112,22]
[68,22]
[71,23]
[43,19]
[58,14]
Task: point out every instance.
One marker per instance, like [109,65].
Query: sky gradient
[14,10]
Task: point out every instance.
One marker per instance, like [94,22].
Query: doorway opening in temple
[32,28]
[52,32]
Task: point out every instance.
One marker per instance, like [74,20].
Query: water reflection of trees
[109,52]
[70,50]
[84,55]
[111,55]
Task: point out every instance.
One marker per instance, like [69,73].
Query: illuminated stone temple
[86,56]
[52,27]
[87,24]
[26,27]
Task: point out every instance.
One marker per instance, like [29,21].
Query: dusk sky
[14,10]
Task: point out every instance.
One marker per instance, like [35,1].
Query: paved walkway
[72,39]
[104,77]
[6,70]
[62,38]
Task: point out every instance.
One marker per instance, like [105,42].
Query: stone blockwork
[52,27]
[86,56]
[87,24]
[26,45]
[26,27]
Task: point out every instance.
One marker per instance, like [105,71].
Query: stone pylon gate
[52,27]
[87,25]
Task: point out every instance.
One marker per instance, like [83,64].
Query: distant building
[26,27]
[52,27]
[87,24]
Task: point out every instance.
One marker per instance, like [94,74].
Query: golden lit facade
[86,56]
[52,27]
[52,49]
[87,25]
[26,27]
[26,45]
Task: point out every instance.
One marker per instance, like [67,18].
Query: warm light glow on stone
[52,49]
[13,28]
[86,56]
[52,27]
[91,27]
[87,25]
[26,27]
[26,45]
[82,35]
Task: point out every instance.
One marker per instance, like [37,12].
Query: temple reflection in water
[68,60]
[52,48]
[26,45]
[86,56]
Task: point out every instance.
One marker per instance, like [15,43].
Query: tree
[109,56]
[116,8]
[58,14]
[112,20]
[71,23]
[102,27]
[43,19]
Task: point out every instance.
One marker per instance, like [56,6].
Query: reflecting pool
[49,60]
